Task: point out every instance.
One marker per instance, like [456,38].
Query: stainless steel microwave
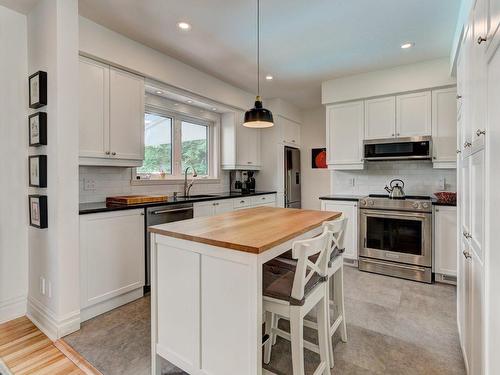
[398,148]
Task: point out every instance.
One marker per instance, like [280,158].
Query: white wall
[419,178]
[13,165]
[54,254]
[315,182]
[420,76]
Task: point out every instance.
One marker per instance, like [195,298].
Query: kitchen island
[206,296]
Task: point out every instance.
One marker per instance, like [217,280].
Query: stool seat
[278,282]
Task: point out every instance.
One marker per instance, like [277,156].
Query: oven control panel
[396,204]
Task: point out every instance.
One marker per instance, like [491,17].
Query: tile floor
[394,327]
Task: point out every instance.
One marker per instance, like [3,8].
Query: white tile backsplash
[419,178]
[116,181]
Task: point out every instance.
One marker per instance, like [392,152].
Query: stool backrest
[337,228]
[302,250]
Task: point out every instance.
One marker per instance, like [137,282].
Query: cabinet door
[477,316]
[464,300]
[112,254]
[344,134]
[493,18]
[477,202]
[350,211]
[126,115]
[445,240]
[93,116]
[444,128]
[247,147]
[291,132]
[203,209]
[465,195]
[380,118]
[413,114]
[224,206]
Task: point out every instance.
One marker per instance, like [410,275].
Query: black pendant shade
[258,117]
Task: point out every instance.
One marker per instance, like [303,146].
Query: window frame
[177,174]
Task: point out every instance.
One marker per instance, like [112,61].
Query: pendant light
[258,116]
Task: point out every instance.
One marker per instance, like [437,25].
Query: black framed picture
[38,211]
[38,89]
[38,171]
[318,158]
[37,123]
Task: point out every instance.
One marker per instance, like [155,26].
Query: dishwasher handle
[159,212]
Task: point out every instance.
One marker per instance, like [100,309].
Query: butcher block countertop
[253,230]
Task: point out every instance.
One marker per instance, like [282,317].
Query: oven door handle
[404,266]
[389,214]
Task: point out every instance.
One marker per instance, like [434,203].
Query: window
[157,145]
[172,143]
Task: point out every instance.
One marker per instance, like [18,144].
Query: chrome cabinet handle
[467,144]
[107,152]
[249,162]
[242,201]
[467,254]
[467,235]
[459,96]
[459,151]
[393,134]
[480,132]
[113,153]
[481,39]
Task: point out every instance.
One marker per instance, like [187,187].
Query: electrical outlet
[42,286]
[88,184]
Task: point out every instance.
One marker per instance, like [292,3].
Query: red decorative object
[446,197]
[319,158]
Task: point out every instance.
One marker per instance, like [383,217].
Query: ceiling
[303,42]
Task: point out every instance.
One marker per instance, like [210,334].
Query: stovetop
[411,203]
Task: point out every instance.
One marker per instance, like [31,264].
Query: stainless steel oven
[395,237]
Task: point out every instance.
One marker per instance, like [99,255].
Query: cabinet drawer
[261,199]
[242,202]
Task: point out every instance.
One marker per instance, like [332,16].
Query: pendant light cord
[258,47]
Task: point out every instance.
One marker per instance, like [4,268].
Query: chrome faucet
[187,187]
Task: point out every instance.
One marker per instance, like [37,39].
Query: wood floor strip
[76,358]
[26,350]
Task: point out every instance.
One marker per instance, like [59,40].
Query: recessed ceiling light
[159,92]
[189,101]
[407,45]
[269,77]
[214,109]
[184,26]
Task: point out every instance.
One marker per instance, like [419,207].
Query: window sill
[175,181]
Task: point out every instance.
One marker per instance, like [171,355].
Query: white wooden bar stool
[292,291]
[335,273]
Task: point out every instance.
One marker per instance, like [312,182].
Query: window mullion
[177,147]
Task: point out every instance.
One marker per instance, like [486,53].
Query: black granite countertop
[342,197]
[94,207]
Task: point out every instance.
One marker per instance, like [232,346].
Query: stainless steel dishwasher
[161,215]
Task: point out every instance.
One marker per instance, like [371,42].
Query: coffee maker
[242,182]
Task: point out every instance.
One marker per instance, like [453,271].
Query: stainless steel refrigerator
[292,177]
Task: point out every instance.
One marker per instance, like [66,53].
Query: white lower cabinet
[112,270]
[445,240]
[350,211]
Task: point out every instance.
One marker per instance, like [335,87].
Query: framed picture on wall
[38,211]
[38,89]
[318,158]
[37,123]
[38,171]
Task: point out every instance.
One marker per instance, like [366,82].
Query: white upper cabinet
[94,109]
[445,240]
[240,145]
[344,135]
[444,128]
[111,119]
[413,114]
[290,131]
[380,118]
[126,115]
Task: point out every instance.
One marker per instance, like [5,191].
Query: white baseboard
[48,323]
[13,308]
[105,306]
